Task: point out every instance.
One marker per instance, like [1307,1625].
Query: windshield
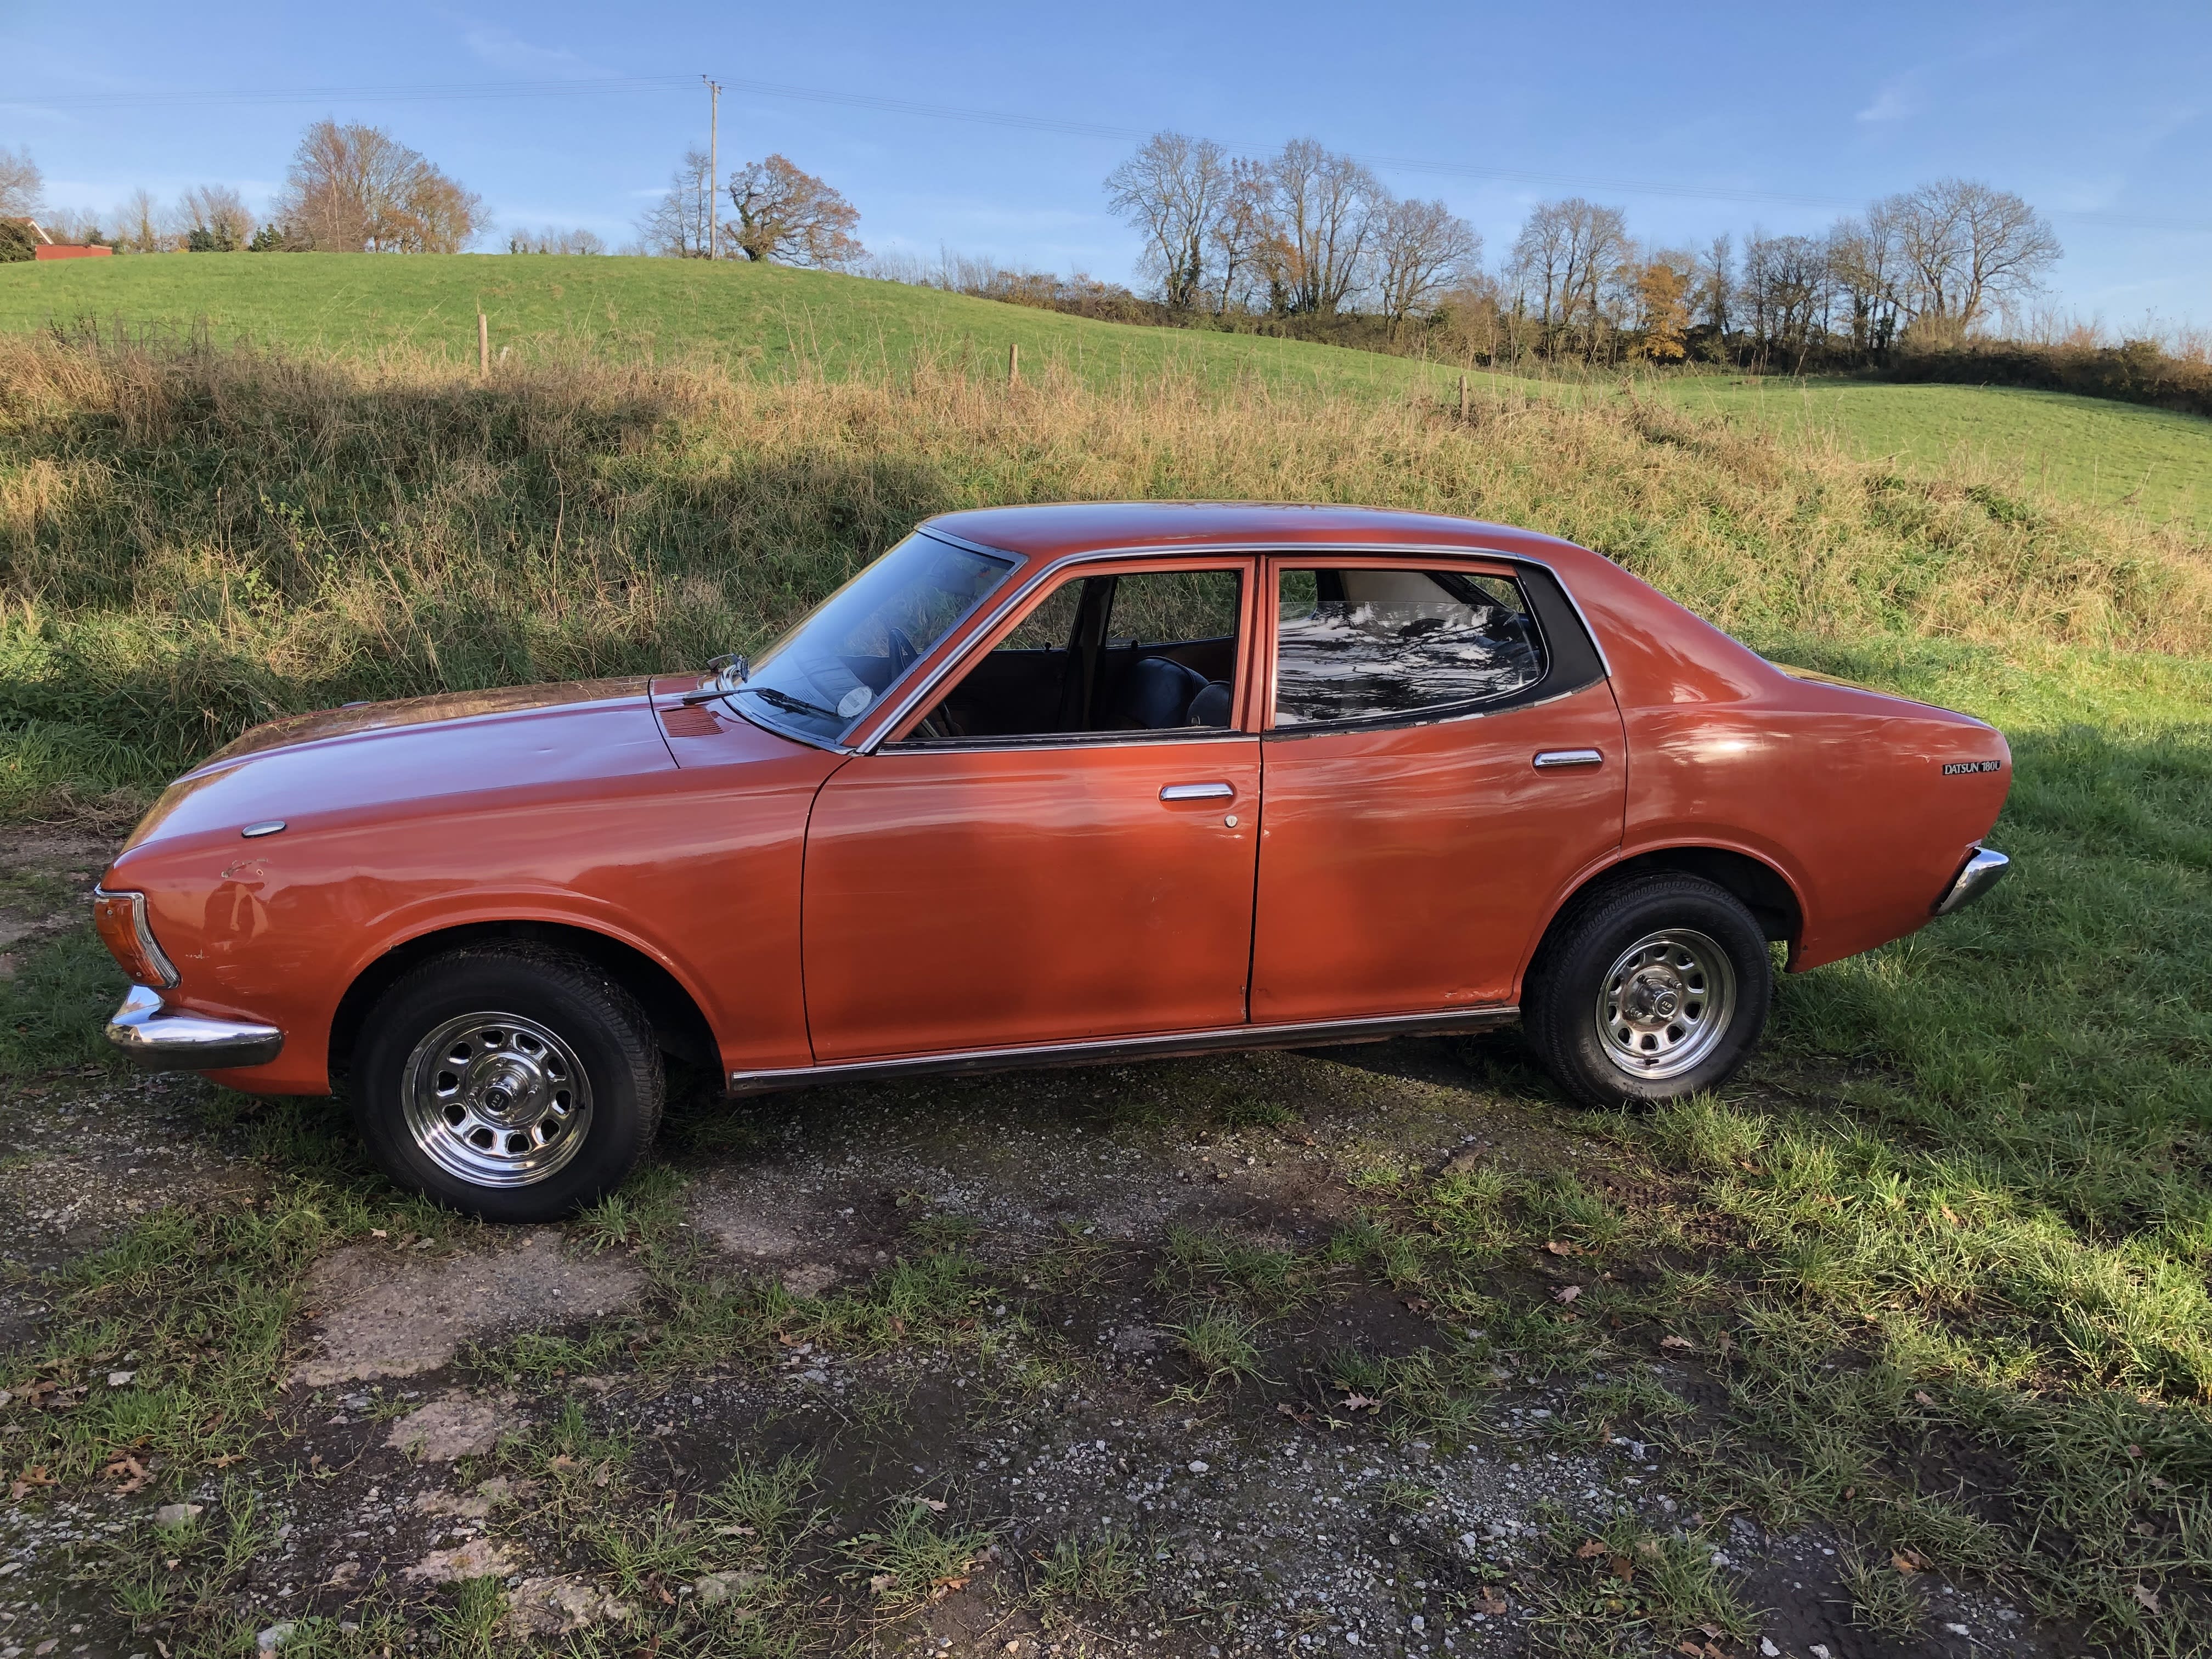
[828,672]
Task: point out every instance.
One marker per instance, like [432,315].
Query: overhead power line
[446,92]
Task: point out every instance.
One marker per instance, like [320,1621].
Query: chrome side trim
[1552,757]
[1982,871]
[161,1041]
[1113,1050]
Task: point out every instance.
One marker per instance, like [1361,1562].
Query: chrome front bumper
[1982,871]
[161,1040]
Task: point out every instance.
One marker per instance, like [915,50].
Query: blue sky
[1696,118]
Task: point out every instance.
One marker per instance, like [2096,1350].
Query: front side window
[1132,652]
[828,672]
[1358,645]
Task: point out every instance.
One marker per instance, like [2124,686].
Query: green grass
[764,320]
[2153,461]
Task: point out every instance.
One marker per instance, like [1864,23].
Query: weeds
[1104,1568]
[916,1556]
[1220,1347]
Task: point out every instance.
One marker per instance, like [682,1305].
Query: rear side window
[1357,644]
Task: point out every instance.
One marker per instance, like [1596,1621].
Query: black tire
[1681,921]
[524,1030]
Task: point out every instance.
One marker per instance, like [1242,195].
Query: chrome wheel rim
[1665,1004]
[497,1099]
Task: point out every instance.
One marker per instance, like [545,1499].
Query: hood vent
[696,721]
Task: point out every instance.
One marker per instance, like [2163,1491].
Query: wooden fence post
[483,344]
[1462,397]
[1014,362]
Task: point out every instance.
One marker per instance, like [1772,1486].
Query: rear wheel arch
[679,1027]
[1760,888]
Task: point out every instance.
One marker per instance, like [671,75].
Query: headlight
[121,919]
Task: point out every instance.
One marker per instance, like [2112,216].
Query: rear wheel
[513,1085]
[1648,989]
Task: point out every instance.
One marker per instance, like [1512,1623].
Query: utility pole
[714,169]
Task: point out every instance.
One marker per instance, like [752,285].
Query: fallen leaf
[1566,1292]
[934,1506]
[1492,1602]
[1353,1402]
[1952,1216]
[36,1475]
[2146,1596]
[1905,1562]
[1588,1549]
[1622,1567]
[2135,1451]
[1682,1342]
[881,1582]
[1556,1248]
[133,1473]
[561,1461]
[2162,1483]
[224,1459]
[1920,1397]
[1690,1648]
[342,1574]
[378,1232]
[945,1586]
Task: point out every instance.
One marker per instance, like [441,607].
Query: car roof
[1056,531]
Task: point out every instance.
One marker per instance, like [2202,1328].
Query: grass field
[772,321]
[2112,454]
[747,319]
[1956,1222]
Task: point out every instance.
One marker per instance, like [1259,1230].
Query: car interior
[1145,651]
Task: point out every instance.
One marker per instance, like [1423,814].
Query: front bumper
[162,1040]
[1982,871]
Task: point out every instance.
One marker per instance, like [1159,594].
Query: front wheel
[514,1086]
[1650,989]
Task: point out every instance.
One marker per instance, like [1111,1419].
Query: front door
[1445,754]
[1063,849]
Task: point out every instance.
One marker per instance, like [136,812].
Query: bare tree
[1420,249]
[357,189]
[678,224]
[214,219]
[792,217]
[21,185]
[1242,232]
[1325,203]
[1170,189]
[139,223]
[1574,254]
[1862,273]
[1964,245]
[1713,284]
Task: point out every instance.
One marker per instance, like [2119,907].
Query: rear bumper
[1982,871]
[162,1040]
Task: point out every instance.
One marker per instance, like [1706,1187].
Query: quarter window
[1361,645]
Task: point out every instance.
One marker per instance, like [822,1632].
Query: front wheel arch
[678,1026]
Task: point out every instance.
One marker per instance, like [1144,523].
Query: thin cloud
[1895,100]
[504,49]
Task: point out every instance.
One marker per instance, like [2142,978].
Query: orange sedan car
[1042,784]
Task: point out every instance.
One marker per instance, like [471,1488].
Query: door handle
[1549,758]
[1197,792]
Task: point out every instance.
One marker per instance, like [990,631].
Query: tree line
[350,188]
[1310,233]
[774,211]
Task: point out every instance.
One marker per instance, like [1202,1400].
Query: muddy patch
[384,1312]
[46,879]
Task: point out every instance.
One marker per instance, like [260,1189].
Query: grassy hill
[759,321]
[773,322]
[2112,454]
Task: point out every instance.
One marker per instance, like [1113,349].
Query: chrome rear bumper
[1982,871]
[161,1040]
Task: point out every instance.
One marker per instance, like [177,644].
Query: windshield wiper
[784,701]
[730,672]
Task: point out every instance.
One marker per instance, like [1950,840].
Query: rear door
[1062,848]
[1442,755]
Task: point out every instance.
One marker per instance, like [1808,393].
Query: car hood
[340,764]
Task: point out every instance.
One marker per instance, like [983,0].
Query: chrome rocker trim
[1113,1050]
[161,1041]
[1982,871]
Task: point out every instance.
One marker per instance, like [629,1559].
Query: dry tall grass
[193,541]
